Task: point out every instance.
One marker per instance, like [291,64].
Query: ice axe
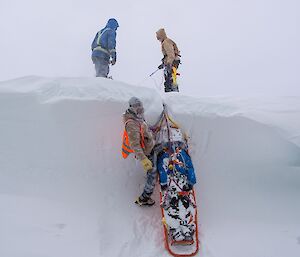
[161,66]
[154,72]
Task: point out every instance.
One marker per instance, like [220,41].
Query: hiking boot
[148,201]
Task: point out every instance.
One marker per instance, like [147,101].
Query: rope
[157,86]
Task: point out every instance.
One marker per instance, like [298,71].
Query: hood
[131,115]
[112,23]
[161,34]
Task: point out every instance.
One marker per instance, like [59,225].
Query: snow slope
[66,191]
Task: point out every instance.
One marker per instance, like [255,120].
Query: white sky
[233,47]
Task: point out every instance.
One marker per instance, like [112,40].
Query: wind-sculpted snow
[66,191]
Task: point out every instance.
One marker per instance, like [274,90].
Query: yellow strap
[172,121]
[102,49]
[174,75]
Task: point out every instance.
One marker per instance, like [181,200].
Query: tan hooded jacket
[168,47]
[133,126]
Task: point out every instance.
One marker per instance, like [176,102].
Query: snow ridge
[68,192]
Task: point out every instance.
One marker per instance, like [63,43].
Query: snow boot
[148,201]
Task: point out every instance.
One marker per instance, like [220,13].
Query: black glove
[161,66]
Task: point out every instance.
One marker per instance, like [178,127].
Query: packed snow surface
[66,191]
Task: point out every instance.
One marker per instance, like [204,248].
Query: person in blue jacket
[104,48]
[181,162]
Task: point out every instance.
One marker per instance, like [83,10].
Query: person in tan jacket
[171,59]
[140,142]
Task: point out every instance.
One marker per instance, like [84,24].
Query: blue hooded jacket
[187,169]
[104,43]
